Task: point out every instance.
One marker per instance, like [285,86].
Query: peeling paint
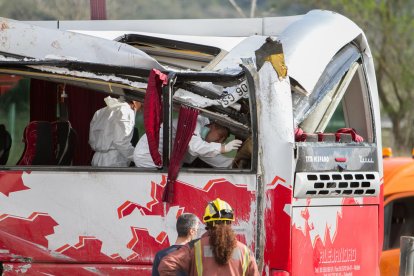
[20,259]
[7,268]
[4,26]
[288,209]
[121,268]
[92,269]
[55,44]
[23,269]
[247,228]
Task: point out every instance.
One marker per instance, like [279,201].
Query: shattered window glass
[304,105]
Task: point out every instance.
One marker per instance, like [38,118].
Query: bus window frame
[173,77]
[389,202]
[253,121]
[361,75]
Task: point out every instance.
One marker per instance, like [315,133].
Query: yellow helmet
[218,210]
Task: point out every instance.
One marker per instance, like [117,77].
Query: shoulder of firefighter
[197,259]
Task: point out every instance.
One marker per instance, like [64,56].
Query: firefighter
[217,252]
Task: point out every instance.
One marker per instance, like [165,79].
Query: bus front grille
[335,184]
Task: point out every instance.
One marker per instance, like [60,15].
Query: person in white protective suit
[206,144]
[110,133]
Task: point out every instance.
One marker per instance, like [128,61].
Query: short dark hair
[184,223]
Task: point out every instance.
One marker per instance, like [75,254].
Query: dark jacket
[161,254]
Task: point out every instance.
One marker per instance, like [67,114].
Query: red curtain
[43,100]
[153,113]
[82,104]
[187,121]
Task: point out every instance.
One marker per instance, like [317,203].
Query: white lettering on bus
[363,159]
[338,255]
[317,158]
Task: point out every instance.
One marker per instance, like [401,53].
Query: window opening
[401,222]
[85,96]
[339,103]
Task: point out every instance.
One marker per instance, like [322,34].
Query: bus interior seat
[64,142]
[243,157]
[38,141]
[5,144]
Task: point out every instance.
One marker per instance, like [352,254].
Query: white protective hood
[310,43]
[31,41]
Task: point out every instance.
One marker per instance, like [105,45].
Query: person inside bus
[110,133]
[243,158]
[207,143]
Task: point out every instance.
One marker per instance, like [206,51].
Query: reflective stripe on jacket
[239,253]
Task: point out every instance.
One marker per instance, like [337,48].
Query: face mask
[204,131]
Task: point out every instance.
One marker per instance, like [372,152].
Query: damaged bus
[299,91]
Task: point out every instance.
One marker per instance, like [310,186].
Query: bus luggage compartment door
[338,240]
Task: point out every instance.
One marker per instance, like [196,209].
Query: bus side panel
[74,269]
[341,240]
[108,217]
[238,191]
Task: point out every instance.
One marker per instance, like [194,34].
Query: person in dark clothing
[187,227]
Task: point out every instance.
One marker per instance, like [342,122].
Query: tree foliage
[45,9]
[126,9]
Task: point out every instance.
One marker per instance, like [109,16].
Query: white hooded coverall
[208,152]
[110,134]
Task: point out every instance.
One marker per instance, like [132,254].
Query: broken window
[61,91]
[339,100]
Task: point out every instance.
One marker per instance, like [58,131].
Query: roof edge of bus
[219,27]
[29,41]
[308,35]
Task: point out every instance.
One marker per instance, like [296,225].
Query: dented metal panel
[276,164]
[310,43]
[111,217]
[29,41]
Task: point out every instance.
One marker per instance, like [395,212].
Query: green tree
[128,9]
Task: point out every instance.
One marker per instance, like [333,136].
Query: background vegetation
[387,23]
